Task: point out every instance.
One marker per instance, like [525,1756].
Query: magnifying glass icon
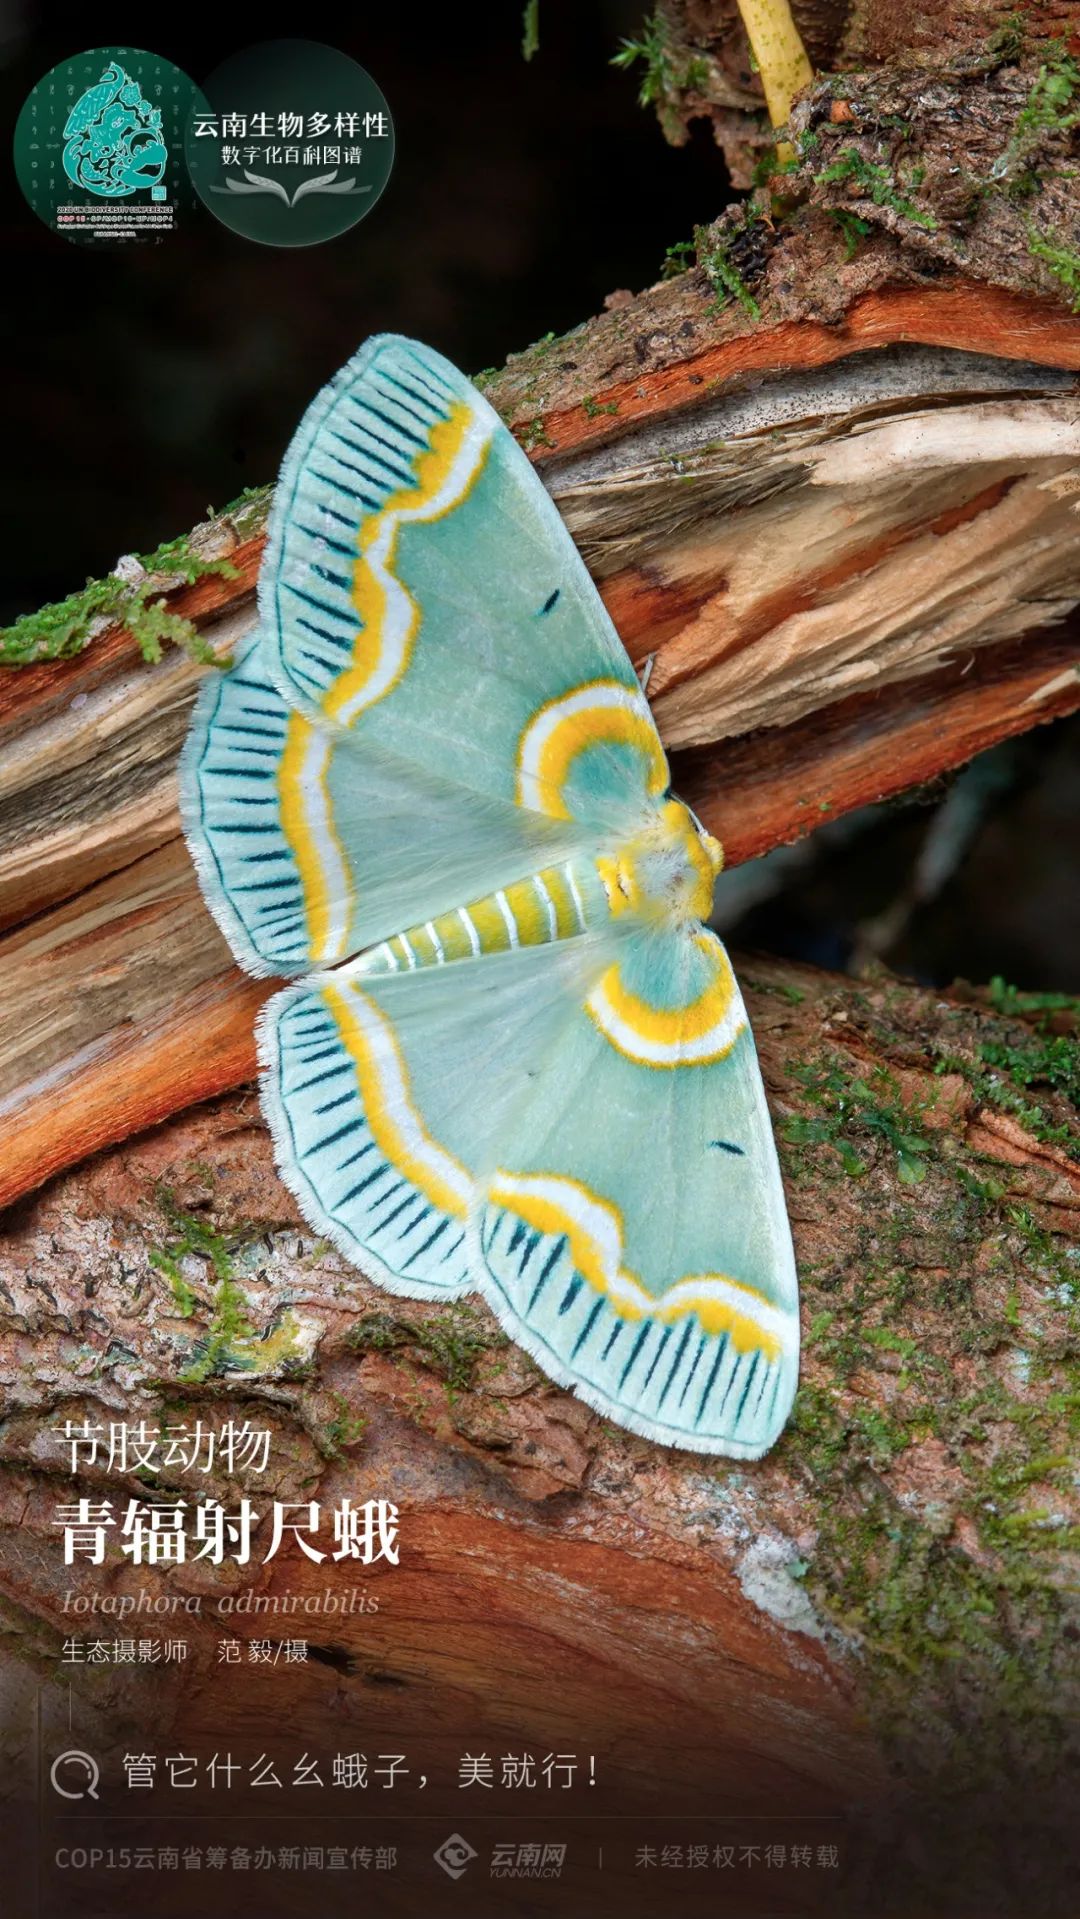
[84,1763]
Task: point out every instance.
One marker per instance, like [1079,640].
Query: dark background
[150,383]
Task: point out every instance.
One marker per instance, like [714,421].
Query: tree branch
[827,540]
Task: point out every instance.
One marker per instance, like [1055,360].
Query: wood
[550,1563]
[773,787]
[648,373]
[123,1005]
[709,75]
[129,1008]
[828,569]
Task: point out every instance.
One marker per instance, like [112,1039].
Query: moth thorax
[668,868]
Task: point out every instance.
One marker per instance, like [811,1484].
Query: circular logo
[292,144]
[99,146]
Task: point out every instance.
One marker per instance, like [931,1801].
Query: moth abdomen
[558,903]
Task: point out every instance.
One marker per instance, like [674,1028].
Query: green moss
[215,1352]
[852,229]
[1043,1255]
[230,1343]
[1009,999]
[963,1606]
[874,182]
[1006,43]
[1047,114]
[859,1119]
[899,1585]
[714,257]
[731,283]
[592,407]
[449,1342]
[782,989]
[533,434]
[1062,260]
[183,1295]
[248,513]
[663,77]
[1003,1072]
[344,1430]
[1043,1060]
[64,628]
[677,259]
[1049,106]
[650,51]
[190,1234]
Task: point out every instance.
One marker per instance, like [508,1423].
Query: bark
[888,1601]
[945,55]
[827,540]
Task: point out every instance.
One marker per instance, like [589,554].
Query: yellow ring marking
[692,1035]
[600,712]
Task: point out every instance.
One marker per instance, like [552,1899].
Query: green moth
[512,1059]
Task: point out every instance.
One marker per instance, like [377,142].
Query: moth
[511,1057]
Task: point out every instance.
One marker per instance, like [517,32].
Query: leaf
[264,185]
[320,183]
[852,1164]
[325,183]
[234,187]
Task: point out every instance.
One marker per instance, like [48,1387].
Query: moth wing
[436,702]
[496,1123]
[387,1092]
[420,590]
[311,845]
[634,1234]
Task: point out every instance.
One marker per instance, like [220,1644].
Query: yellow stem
[779,52]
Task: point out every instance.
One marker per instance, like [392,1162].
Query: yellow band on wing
[308,825]
[445,473]
[598,713]
[396,1125]
[558,1206]
[703,1030]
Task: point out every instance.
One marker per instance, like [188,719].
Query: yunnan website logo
[454,1855]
